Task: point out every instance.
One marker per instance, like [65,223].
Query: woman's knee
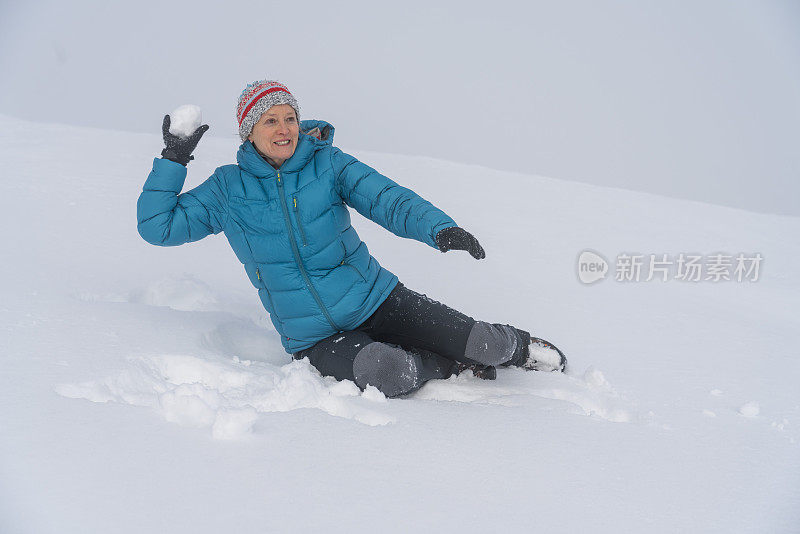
[334,355]
[391,369]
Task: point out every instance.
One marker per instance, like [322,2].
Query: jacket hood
[325,129]
[250,160]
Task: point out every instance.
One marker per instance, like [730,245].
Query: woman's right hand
[179,149]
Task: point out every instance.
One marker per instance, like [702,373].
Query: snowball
[184,120]
[749,409]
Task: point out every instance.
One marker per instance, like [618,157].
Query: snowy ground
[144,390]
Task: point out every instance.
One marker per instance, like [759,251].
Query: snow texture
[546,357]
[749,409]
[226,396]
[184,120]
[144,389]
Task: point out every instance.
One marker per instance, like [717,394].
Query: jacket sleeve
[166,217]
[396,208]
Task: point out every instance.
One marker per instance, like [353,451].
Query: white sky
[691,99]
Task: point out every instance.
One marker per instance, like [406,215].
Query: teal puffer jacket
[291,230]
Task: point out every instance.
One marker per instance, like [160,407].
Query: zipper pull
[279,176]
[295,203]
[258,275]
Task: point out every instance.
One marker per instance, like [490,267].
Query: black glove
[459,239]
[179,149]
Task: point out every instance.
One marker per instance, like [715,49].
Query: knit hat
[257,98]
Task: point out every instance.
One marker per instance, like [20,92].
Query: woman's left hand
[455,238]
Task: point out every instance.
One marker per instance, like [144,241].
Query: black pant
[435,332]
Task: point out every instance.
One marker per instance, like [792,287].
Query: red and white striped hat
[257,98]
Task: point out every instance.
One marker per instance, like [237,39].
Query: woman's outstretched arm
[396,208]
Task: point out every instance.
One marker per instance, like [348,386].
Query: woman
[283,210]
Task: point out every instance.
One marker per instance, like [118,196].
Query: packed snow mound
[227,396]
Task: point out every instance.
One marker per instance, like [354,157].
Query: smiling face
[276,132]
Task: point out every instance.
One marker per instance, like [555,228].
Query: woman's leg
[355,356]
[413,320]
[411,339]
[334,355]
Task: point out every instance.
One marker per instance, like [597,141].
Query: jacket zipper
[298,260]
[299,224]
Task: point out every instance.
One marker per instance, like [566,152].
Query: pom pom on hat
[257,98]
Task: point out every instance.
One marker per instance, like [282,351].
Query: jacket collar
[251,161]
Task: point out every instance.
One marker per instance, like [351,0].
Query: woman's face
[276,132]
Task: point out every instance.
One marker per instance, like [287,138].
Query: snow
[749,409]
[550,358]
[184,120]
[144,389]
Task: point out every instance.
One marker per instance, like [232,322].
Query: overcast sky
[694,99]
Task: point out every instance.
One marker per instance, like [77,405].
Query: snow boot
[544,356]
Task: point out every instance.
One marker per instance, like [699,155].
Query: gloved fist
[455,238]
[179,149]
